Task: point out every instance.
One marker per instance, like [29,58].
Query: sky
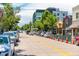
[27,9]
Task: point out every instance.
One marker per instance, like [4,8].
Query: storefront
[74,28]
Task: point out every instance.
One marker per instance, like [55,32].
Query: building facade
[61,23]
[67,21]
[75,17]
[75,21]
[37,14]
[59,14]
[75,12]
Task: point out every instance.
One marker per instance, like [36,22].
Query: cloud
[26,13]
[24,20]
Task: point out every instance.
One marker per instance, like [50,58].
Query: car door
[12,48]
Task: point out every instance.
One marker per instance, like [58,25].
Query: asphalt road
[40,46]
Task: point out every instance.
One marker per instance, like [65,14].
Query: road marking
[57,50]
[62,52]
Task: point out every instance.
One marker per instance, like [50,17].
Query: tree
[38,24]
[17,27]
[48,19]
[25,27]
[10,19]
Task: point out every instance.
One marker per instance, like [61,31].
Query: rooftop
[39,10]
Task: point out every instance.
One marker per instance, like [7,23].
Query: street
[41,46]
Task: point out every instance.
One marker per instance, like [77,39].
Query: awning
[75,24]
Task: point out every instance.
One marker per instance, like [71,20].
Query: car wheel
[13,54]
[77,44]
[6,54]
[17,40]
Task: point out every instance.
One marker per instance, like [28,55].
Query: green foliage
[25,27]
[17,27]
[47,22]
[10,20]
[48,19]
[38,24]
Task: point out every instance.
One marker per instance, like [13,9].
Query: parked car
[20,31]
[47,34]
[31,33]
[6,46]
[12,37]
[38,33]
[27,32]
[42,33]
[16,35]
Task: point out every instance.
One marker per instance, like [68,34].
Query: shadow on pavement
[18,53]
[24,55]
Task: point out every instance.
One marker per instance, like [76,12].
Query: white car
[42,33]
[6,46]
[47,34]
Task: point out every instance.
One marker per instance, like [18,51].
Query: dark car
[27,32]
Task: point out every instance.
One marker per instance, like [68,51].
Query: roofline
[75,7]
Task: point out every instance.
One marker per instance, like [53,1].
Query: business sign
[60,24]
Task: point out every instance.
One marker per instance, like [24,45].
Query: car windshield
[11,34]
[3,40]
[14,32]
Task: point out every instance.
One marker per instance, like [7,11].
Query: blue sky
[27,9]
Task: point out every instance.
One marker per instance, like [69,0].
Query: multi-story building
[75,17]
[75,21]
[75,12]
[60,18]
[67,21]
[37,14]
[55,11]
[59,14]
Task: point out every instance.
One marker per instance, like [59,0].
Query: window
[54,9]
[54,14]
[3,40]
[57,14]
[63,14]
[77,15]
[58,18]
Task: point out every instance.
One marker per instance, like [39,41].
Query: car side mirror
[12,42]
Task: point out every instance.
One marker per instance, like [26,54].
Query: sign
[60,24]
